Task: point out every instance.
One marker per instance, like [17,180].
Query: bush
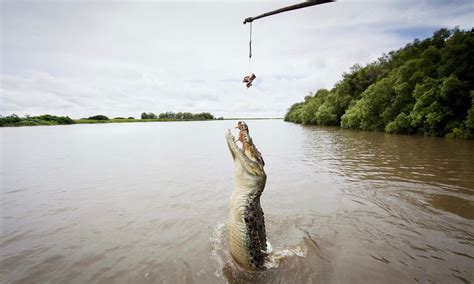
[9,120]
[401,124]
[98,117]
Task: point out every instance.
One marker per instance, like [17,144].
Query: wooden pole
[288,8]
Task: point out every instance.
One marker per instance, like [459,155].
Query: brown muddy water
[148,203]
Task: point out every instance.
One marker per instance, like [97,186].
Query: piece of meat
[249,79]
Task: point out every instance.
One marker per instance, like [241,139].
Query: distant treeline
[47,119]
[179,116]
[425,88]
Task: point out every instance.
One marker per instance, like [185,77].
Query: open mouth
[239,147]
[243,147]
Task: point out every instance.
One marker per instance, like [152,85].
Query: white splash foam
[274,257]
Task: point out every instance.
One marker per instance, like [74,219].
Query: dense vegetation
[46,119]
[425,88]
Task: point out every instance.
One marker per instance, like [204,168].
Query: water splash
[219,249]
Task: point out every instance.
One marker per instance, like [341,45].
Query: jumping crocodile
[247,237]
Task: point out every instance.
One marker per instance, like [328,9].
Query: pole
[288,8]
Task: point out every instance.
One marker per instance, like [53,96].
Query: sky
[122,58]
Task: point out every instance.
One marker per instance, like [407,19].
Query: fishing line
[248,79]
[250,50]
[250,42]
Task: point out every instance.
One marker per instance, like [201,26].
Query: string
[250,50]
[250,42]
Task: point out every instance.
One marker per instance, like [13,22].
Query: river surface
[148,203]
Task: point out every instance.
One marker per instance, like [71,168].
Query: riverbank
[423,88]
[42,120]
[120,120]
[69,121]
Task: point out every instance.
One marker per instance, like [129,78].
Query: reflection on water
[148,202]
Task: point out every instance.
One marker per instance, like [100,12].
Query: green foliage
[10,120]
[401,124]
[203,116]
[46,119]
[470,114]
[98,117]
[294,113]
[427,88]
[168,114]
[185,116]
[148,115]
[352,118]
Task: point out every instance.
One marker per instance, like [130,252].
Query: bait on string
[248,79]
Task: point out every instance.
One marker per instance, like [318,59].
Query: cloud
[120,59]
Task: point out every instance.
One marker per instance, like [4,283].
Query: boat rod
[288,8]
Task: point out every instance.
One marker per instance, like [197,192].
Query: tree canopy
[426,87]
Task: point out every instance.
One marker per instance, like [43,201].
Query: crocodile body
[247,236]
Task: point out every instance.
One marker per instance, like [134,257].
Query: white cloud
[120,59]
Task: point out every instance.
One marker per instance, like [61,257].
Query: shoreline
[126,120]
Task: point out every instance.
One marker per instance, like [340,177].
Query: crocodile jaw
[241,159]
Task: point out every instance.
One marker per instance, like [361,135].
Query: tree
[149,115]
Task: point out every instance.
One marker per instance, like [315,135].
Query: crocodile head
[248,157]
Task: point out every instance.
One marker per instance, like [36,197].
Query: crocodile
[247,236]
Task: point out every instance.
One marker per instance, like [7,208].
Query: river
[148,203]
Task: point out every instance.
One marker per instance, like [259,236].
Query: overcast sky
[119,58]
